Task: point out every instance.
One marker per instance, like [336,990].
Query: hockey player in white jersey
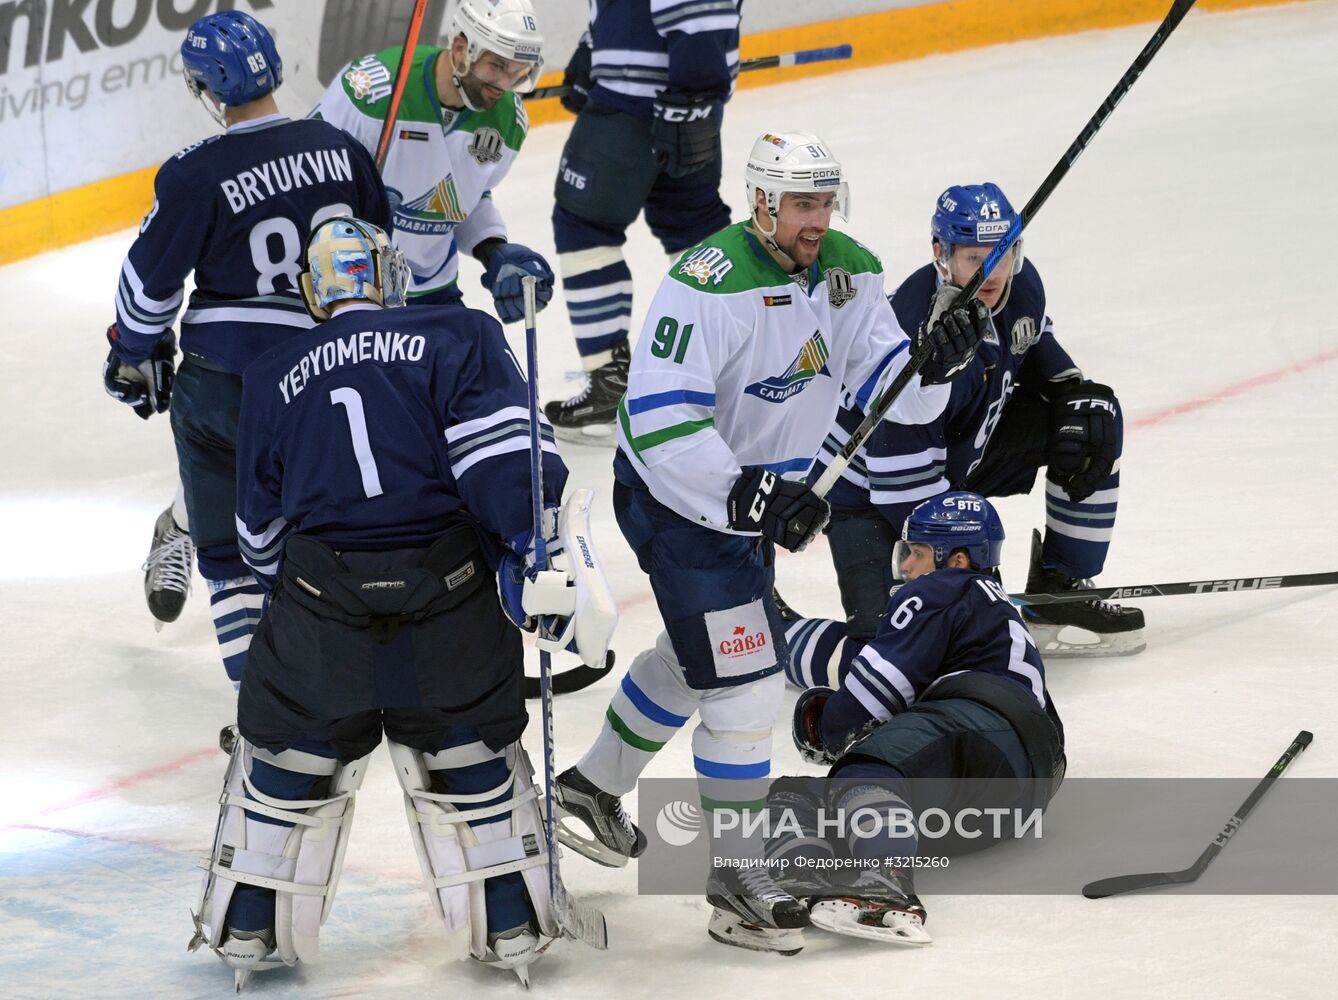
[747,347]
[459,127]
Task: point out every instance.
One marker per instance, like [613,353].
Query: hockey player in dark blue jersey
[946,708]
[383,484]
[236,209]
[1023,405]
[649,84]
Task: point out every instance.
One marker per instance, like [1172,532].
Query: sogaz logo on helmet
[991,229]
[678,823]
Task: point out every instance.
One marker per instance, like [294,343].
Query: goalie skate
[877,907]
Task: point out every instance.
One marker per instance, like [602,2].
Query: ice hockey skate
[167,570]
[588,417]
[1103,629]
[753,912]
[612,839]
[516,949]
[878,905]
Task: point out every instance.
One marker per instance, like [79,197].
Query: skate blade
[587,846]
[841,916]
[1096,644]
[729,928]
[594,435]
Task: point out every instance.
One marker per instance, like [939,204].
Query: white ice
[1188,258]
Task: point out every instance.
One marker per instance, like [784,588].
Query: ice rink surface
[1189,263]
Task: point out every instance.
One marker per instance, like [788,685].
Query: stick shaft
[401,80]
[800,58]
[919,357]
[1223,586]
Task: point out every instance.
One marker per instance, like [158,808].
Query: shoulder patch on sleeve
[368,80]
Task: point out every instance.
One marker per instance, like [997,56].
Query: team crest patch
[1024,334]
[811,362]
[369,79]
[840,287]
[706,264]
[487,146]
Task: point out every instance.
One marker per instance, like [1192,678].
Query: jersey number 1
[351,400]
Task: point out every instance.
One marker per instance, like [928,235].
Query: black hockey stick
[1177,589]
[401,79]
[1104,887]
[578,678]
[761,62]
[920,356]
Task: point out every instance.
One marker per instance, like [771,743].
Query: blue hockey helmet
[952,521]
[232,56]
[351,259]
[974,215]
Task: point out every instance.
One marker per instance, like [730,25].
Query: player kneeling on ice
[945,708]
[734,383]
[384,471]
[1022,405]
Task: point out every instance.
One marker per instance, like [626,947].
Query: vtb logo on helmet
[351,259]
[954,520]
[230,56]
[974,215]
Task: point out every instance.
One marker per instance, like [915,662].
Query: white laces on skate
[759,883]
[578,376]
[170,562]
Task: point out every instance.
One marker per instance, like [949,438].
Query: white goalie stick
[1104,887]
[578,920]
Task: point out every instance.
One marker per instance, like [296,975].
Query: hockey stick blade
[578,678]
[1117,884]
[920,357]
[1225,586]
[782,59]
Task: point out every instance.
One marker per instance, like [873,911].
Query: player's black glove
[954,335]
[685,132]
[577,77]
[790,514]
[1083,438]
[807,729]
[146,387]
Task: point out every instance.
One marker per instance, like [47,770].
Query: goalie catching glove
[570,603]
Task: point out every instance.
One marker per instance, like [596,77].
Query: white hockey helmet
[794,162]
[351,259]
[506,27]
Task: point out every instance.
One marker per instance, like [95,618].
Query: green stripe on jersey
[653,438]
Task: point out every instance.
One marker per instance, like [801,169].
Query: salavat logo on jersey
[369,79]
[811,362]
[435,213]
[840,286]
[707,264]
[487,146]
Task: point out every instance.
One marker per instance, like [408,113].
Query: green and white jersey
[742,364]
[442,164]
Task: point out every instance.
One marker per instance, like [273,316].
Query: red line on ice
[1235,389]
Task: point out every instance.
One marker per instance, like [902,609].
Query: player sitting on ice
[1022,405]
[384,465]
[945,708]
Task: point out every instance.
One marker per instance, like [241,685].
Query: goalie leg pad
[471,844]
[282,828]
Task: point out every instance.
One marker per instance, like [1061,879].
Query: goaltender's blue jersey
[900,465]
[380,429]
[237,210]
[641,47]
[943,623]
